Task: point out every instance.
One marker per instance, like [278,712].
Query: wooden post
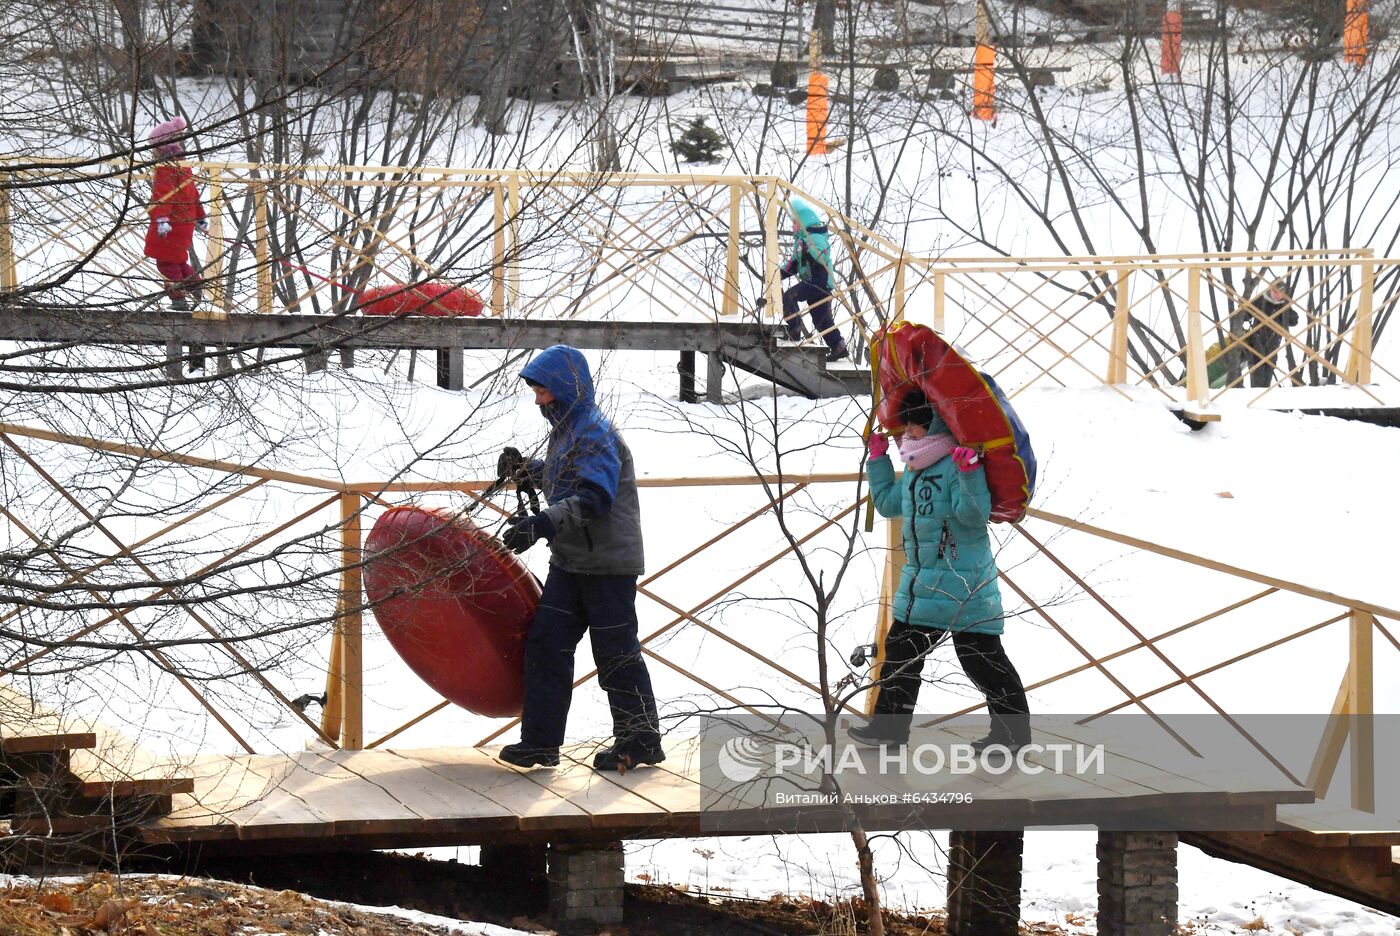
[335,684]
[1359,364]
[731,263]
[772,283]
[894,564]
[1118,343]
[352,651]
[9,275]
[214,265]
[498,268]
[899,289]
[513,243]
[1351,716]
[1361,691]
[940,320]
[262,237]
[1197,385]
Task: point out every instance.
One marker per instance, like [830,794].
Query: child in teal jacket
[948,586]
[811,264]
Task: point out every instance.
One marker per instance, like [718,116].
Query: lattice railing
[647,247]
[1222,619]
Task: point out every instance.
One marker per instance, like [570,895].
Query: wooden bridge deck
[463,795]
[746,345]
[321,800]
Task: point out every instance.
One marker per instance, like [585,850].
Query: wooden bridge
[83,784]
[639,250]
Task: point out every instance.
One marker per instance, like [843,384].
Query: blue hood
[583,448]
[563,371]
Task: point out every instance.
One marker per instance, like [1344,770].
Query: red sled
[906,356]
[440,299]
[455,604]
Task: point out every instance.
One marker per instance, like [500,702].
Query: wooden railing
[636,246]
[341,509]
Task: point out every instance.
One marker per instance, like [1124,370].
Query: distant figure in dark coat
[176,212]
[1260,324]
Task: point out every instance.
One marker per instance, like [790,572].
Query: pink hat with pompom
[162,134]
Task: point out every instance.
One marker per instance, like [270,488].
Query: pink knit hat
[162,134]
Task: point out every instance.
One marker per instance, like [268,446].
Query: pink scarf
[918,454]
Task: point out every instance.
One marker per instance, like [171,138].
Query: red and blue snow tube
[907,356]
[439,299]
[455,605]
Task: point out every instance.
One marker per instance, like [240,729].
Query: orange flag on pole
[818,99]
[984,99]
[1171,41]
[1356,31]
[984,69]
[818,111]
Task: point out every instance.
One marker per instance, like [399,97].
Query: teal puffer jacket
[950,575]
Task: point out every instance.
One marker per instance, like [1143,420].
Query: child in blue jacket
[948,587]
[594,528]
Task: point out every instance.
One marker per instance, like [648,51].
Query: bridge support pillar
[714,377]
[174,363]
[585,882]
[1137,883]
[687,371]
[450,365]
[984,883]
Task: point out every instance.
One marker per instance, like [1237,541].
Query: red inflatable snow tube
[455,604]
[440,299]
[912,356]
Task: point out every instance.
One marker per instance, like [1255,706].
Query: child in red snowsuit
[176,211]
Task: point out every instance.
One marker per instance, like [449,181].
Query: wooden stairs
[72,793]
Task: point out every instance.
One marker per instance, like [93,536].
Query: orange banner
[1356,31]
[984,83]
[818,110]
[1171,43]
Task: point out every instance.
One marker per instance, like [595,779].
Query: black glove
[511,465]
[524,532]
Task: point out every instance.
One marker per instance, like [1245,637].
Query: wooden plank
[1162,781]
[47,744]
[105,762]
[503,784]
[347,804]
[1243,787]
[120,768]
[672,787]
[607,804]
[1327,826]
[227,789]
[429,796]
[1113,784]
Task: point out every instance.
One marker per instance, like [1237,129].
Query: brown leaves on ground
[166,906]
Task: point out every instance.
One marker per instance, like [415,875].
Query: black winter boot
[524,755]
[1012,732]
[625,755]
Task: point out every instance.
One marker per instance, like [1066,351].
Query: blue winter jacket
[949,579]
[811,249]
[587,474]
